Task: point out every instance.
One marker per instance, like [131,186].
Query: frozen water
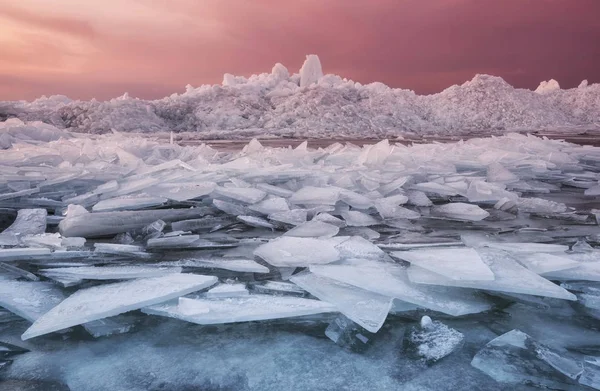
[310,195]
[236,265]
[348,334]
[454,263]
[313,229]
[109,272]
[29,299]
[367,309]
[310,72]
[587,271]
[239,309]
[541,263]
[432,340]
[28,222]
[460,211]
[103,301]
[510,277]
[116,204]
[241,194]
[227,290]
[271,205]
[293,217]
[396,284]
[294,251]
[355,218]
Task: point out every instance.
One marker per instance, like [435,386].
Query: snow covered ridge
[311,104]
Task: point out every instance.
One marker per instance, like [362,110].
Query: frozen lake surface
[133,263]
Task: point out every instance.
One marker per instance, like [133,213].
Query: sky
[153,48]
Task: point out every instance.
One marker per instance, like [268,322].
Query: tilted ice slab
[454,263]
[460,211]
[585,271]
[116,204]
[28,222]
[247,195]
[541,263]
[109,272]
[239,309]
[367,309]
[23,254]
[227,290]
[236,265]
[393,282]
[292,251]
[313,229]
[111,223]
[511,277]
[310,195]
[108,300]
[29,299]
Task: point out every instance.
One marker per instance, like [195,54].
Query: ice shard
[367,309]
[313,229]
[103,301]
[460,211]
[432,340]
[293,251]
[454,263]
[239,309]
[109,272]
[29,299]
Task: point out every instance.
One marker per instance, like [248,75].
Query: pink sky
[152,48]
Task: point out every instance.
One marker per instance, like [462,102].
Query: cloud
[156,47]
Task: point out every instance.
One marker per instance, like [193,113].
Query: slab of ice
[247,195]
[28,222]
[236,265]
[254,221]
[239,309]
[104,301]
[355,218]
[436,188]
[498,173]
[111,223]
[293,217]
[355,199]
[359,247]
[310,195]
[311,71]
[227,290]
[109,272]
[271,205]
[460,211]
[510,277]
[29,299]
[313,229]
[119,324]
[418,198]
[116,204]
[541,263]
[348,334]
[516,358]
[526,247]
[293,251]
[280,288]
[454,263]
[182,191]
[274,190]
[368,309]
[585,271]
[393,282]
[23,254]
[172,242]
[432,340]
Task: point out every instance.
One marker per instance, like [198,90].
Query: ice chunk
[418,198]
[510,277]
[23,254]
[227,290]
[313,229]
[311,71]
[231,208]
[109,272]
[239,309]
[454,263]
[29,299]
[396,284]
[254,221]
[355,218]
[367,309]
[460,211]
[436,188]
[247,195]
[119,324]
[310,195]
[111,223]
[172,242]
[432,340]
[516,358]
[355,199]
[182,191]
[526,248]
[541,263]
[236,265]
[280,288]
[293,251]
[479,191]
[546,87]
[590,377]
[586,271]
[206,223]
[104,301]
[116,204]
[389,208]
[293,217]
[497,173]
[28,222]
[347,334]
[271,205]
[52,241]
[359,247]
[275,190]
[329,219]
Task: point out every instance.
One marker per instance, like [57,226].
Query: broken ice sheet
[393,282]
[247,195]
[313,229]
[29,299]
[432,340]
[279,288]
[366,308]
[23,254]
[232,264]
[293,217]
[541,263]
[110,326]
[510,277]
[454,263]
[355,218]
[310,195]
[460,211]
[227,290]
[116,204]
[28,222]
[292,251]
[109,272]
[239,309]
[516,358]
[586,271]
[348,334]
[104,301]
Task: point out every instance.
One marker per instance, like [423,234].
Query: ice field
[130,263]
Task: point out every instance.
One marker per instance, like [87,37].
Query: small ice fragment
[431,340]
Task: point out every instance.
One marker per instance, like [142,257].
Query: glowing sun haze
[152,48]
